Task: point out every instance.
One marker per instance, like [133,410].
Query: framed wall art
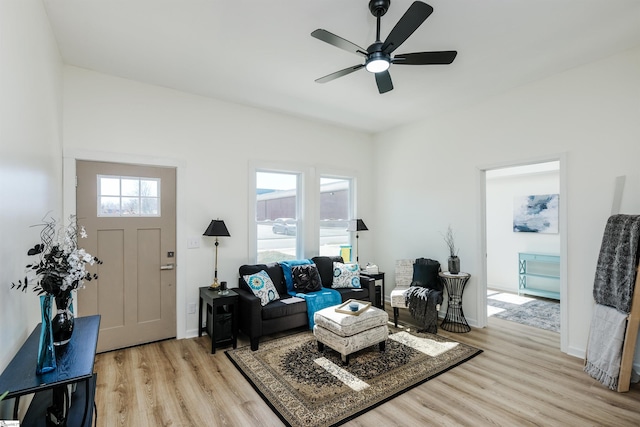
[536,214]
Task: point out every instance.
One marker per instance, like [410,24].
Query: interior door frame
[69,158]
[563,226]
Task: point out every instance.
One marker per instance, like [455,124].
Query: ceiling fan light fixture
[377,63]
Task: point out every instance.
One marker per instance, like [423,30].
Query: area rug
[539,313]
[308,388]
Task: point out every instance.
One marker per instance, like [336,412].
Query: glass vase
[46,353]
[62,324]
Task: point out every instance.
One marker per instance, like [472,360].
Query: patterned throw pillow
[306,278]
[345,275]
[262,287]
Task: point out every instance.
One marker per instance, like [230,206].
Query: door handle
[167,267]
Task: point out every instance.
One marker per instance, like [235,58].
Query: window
[335,212]
[277,207]
[125,196]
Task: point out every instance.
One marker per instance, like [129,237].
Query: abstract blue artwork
[536,214]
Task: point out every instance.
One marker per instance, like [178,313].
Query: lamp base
[215,285]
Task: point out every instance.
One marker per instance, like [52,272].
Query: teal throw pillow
[345,275]
[262,286]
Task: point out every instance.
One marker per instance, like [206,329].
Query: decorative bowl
[354,306]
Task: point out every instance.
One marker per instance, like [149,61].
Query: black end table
[454,320]
[376,277]
[224,310]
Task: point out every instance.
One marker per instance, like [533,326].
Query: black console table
[74,365]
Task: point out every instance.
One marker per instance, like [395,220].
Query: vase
[46,353]
[454,265]
[62,323]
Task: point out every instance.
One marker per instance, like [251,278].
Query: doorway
[129,213]
[531,193]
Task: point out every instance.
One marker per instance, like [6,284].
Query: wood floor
[521,379]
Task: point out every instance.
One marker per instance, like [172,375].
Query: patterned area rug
[539,313]
[308,388]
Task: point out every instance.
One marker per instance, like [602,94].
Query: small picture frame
[344,307]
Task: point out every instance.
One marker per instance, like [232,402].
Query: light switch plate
[191,308]
[193,242]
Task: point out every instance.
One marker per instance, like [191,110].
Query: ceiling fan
[378,56]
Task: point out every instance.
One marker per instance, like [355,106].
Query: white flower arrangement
[62,265]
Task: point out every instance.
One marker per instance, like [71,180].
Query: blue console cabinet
[539,275]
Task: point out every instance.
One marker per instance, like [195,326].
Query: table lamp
[216,228]
[357,225]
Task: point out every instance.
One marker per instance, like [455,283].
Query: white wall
[428,172]
[30,158]
[503,244]
[213,144]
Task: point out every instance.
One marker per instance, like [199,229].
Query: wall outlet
[191,308]
[193,242]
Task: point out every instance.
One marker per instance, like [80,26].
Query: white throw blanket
[604,349]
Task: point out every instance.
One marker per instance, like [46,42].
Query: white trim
[563,226]
[69,158]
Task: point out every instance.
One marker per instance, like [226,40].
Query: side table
[376,277]
[223,308]
[454,320]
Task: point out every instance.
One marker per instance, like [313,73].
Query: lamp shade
[217,228]
[357,225]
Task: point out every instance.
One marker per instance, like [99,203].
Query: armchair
[404,274]
[418,288]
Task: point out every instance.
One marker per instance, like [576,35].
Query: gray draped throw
[422,304]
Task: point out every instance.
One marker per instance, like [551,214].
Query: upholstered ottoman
[347,333]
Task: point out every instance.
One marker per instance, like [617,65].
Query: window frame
[120,196]
[308,204]
[253,204]
[350,203]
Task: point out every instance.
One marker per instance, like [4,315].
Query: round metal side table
[454,320]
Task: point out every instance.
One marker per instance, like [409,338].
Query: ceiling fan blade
[338,41]
[417,13]
[383,79]
[340,73]
[426,58]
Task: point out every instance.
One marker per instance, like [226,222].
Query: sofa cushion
[273,270]
[361,294]
[325,268]
[306,278]
[262,286]
[278,309]
[346,275]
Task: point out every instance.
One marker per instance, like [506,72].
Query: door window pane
[109,186]
[149,188]
[277,216]
[109,206]
[149,206]
[335,211]
[130,187]
[128,196]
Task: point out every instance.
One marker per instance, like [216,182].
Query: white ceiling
[260,53]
